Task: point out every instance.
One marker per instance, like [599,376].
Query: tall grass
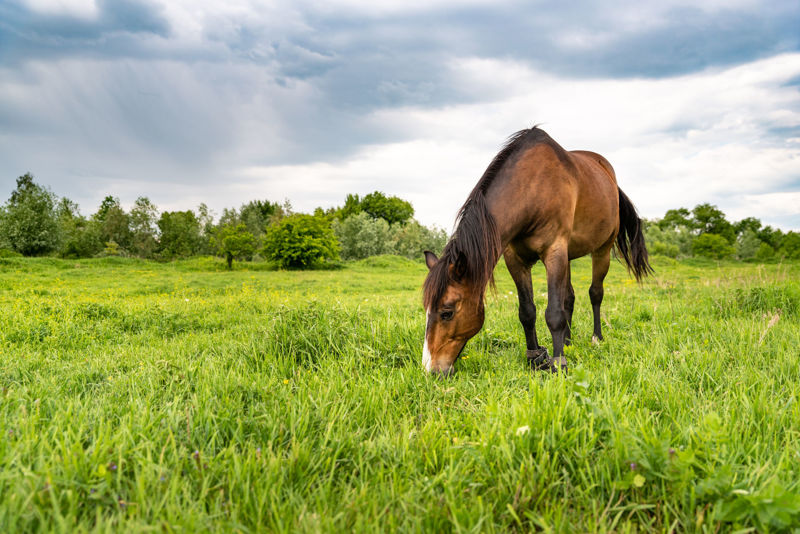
[170,397]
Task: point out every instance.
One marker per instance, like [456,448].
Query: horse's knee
[556,318]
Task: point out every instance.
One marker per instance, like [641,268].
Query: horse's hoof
[538,359]
[558,365]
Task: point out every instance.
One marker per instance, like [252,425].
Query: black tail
[630,240]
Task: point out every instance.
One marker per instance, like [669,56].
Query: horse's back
[561,197]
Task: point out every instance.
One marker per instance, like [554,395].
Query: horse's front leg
[520,271]
[556,262]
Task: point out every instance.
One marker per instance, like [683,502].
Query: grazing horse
[536,201]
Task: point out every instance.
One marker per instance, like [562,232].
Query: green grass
[148,397]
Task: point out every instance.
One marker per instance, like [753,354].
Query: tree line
[705,232]
[35,222]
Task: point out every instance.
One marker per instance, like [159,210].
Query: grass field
[146,397]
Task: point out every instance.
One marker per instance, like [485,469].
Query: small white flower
[521,431]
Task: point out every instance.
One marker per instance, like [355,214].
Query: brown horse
[536,201]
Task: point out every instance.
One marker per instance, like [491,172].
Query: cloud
[674,142]
[113,28]
[190,101]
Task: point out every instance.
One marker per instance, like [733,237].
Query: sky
[190,101]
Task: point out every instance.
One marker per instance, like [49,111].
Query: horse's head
[454,313]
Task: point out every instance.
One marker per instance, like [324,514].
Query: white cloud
[674,142]
[217,116]
[86,9]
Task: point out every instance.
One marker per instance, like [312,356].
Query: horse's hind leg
[521,273]
[557,264]
[600,263]
[569,305]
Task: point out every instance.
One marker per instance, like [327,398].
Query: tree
[143,220]
[80,237]
[29,222]
[790,245]
[205,217]
[712,246]
[300,241]
[234,242]
[256,215]
[179,234]
[114,223]
[674,219]
[770,236]
[749,223]
[391,209]
[352,206]
[708,219]
[5,244]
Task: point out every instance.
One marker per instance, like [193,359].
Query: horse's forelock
[473,251]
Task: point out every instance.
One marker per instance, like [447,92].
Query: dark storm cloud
[27,34]
[402,59]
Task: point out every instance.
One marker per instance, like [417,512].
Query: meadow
[146,397]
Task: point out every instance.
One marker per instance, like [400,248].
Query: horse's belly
[578,249]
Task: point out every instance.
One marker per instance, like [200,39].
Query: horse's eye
[446,315]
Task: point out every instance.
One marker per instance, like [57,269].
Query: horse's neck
[508,216]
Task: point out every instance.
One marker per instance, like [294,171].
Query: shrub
[28,223]
[747,245]
[790,245]
[764,252]
[300,241]
[668,240]
[712,246]
[361,236]
[412,239]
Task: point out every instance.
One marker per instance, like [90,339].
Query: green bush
[712,246]
[764,252]
[362,236]
[747,245]
[663,249]
[28,222]
[8,253]
[301,241]
[668,240]
[412,239]
[790,246]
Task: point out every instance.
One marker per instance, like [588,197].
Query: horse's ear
[430,259]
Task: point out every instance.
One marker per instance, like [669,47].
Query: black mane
[474,248]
